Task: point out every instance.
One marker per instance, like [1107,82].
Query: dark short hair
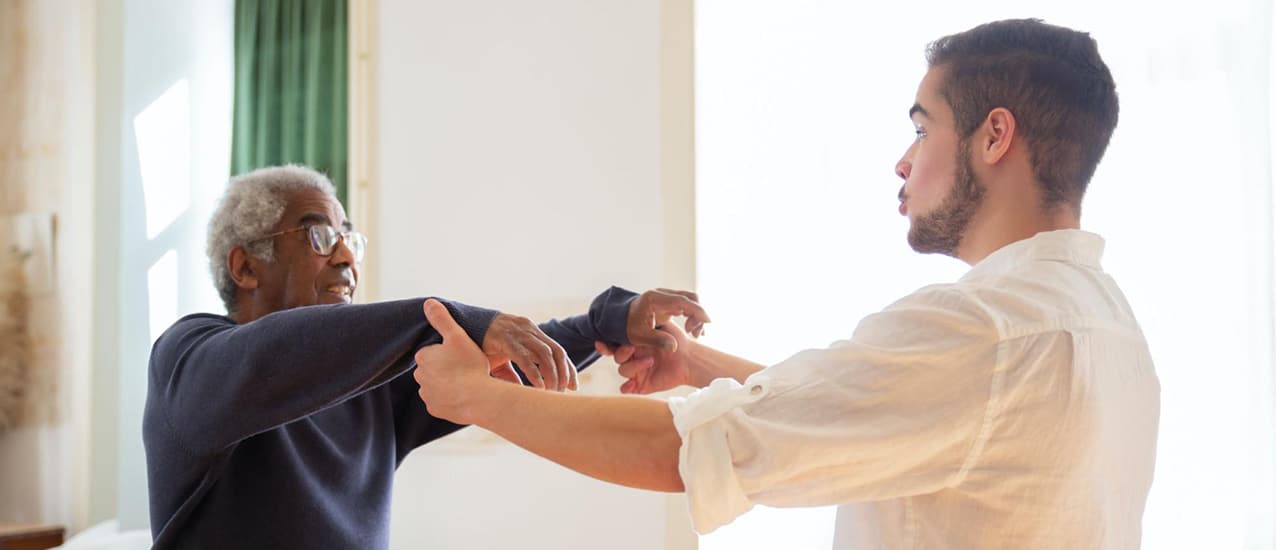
[1051,79]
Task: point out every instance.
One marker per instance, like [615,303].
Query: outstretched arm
[214,382]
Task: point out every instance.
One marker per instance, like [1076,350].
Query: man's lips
[344,290]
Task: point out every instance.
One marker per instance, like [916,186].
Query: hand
[654,308]
[542,360]
[650,370]
[451,374]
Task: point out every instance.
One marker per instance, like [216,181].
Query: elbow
[667,476]
[674,483]
[663,478]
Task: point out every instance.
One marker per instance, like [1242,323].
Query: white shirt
[1015,408]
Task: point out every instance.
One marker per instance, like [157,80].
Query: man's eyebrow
[918,109]
[315,218]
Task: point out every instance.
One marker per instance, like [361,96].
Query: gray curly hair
[252,205]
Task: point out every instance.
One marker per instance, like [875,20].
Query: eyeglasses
[324,239]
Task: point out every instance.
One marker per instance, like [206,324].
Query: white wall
[524,162]
[173,136]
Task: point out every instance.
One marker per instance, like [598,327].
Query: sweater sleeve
[216,382]
[606,321]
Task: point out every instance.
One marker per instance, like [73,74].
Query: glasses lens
[357,243]
[323,238]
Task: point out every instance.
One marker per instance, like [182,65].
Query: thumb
[442,320]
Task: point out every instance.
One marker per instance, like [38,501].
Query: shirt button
[756,389]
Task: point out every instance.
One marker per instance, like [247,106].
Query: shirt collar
[1072,246]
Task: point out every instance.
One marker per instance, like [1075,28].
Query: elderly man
[1014,408]
[280,424]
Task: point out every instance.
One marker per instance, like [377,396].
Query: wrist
[485,400]
[706,364]
[699,368]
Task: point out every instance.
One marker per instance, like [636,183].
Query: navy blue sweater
[285,432]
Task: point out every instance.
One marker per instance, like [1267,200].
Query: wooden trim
[362,137]
[677,142]
[678,192]
[30,537]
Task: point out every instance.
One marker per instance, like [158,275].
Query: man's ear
[242,265]
[996,135]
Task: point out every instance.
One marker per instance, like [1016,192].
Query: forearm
[708,364]
[629,441]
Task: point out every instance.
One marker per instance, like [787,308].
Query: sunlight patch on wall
[163,150]
[161,293]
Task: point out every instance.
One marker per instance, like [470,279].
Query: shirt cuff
[714,495]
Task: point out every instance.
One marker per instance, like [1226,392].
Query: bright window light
[161,293]
[801,114]
[164,150]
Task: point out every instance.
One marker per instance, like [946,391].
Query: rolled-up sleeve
[717,496]
[896,410]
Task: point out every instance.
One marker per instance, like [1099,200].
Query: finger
[422,354]
[525,362]
[424,357]
[694,328]
[442,320]
[603,349]
[633,368]
[504,371]
[418,373]
[682,305]
[544,359]
[691,297]
[689,294]
[658,310]
[566,370]
[638,384]
[625,353]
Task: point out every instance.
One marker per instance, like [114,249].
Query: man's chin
[923,242]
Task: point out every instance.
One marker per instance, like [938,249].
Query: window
[800,117]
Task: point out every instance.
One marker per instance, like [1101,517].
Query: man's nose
[342,255]
[903,168]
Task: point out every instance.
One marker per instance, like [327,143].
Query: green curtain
[290,86]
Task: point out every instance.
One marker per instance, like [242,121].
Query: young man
[280,424]
[1014,408]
